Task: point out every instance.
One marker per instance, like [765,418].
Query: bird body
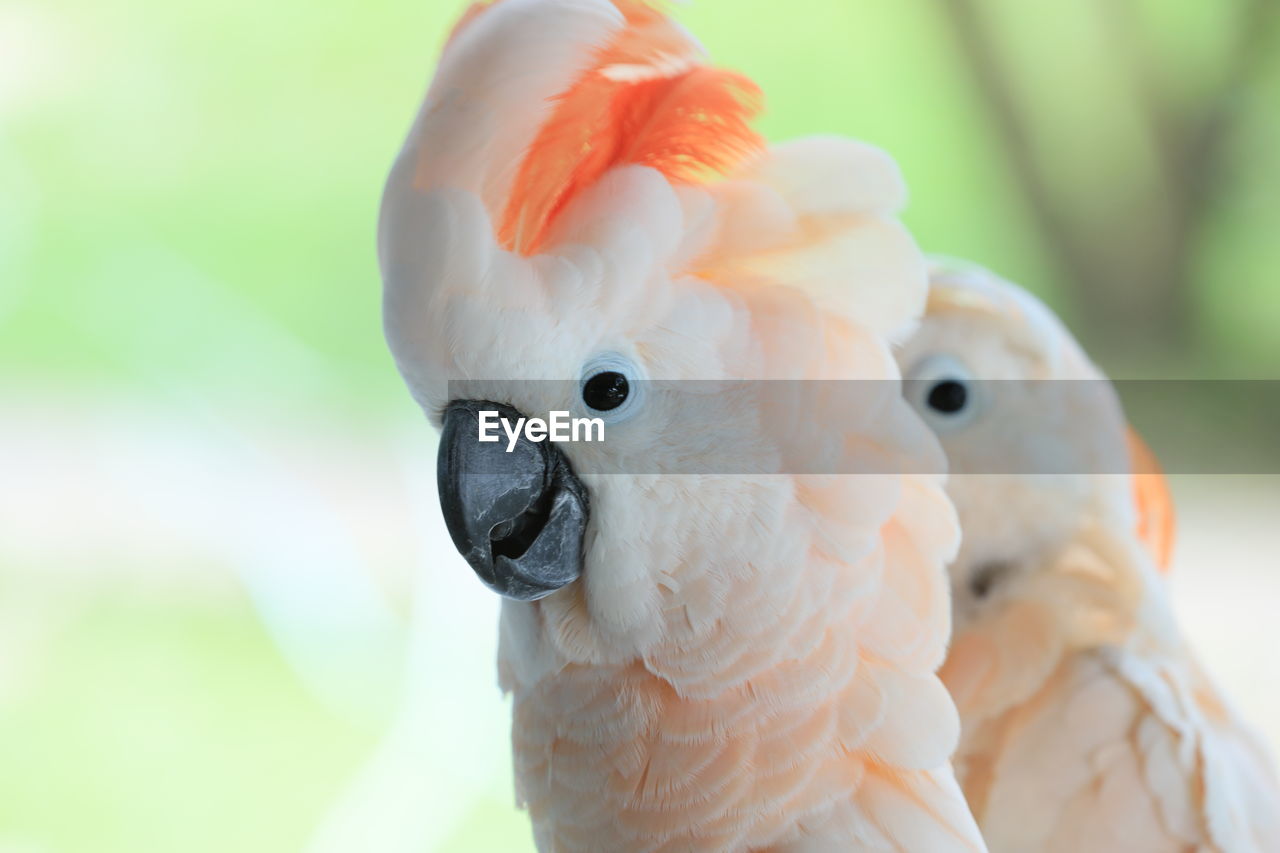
[1087,723]
[716,660]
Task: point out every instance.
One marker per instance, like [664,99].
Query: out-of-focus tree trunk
[1130,272]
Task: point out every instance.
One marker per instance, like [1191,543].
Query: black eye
[942,389]
[606,391]
[948,396]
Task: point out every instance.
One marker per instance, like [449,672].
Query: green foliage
[156,723]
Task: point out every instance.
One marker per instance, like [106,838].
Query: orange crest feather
[1154,501]
[645,101]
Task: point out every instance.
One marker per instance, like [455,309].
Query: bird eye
[606,391]
[948,396]
[610,387]
[942,390]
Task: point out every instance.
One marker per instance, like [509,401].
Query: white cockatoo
[706,649]
[1087,723]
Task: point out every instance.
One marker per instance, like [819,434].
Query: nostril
[986,576]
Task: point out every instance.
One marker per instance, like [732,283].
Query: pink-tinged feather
[1086,722]
[747,660]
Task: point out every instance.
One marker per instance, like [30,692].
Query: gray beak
[518,518]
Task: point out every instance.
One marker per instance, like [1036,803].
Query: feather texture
[747,661]
[645,100]
[1087,724]
[1154,502]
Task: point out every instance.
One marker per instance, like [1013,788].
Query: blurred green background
[193,382]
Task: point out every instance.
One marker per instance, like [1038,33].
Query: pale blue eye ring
[611,387]
[943,390]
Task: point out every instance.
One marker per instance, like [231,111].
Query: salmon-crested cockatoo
[1087,724]
[727,660]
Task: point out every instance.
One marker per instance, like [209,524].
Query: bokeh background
[229,615]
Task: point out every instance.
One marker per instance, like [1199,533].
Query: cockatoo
[722,660]
[1087,724]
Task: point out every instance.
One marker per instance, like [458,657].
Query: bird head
[1063,514]
[583,220]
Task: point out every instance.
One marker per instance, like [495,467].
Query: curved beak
[518,517]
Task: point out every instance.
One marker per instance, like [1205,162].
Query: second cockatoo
[706,649]
[1088,725]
